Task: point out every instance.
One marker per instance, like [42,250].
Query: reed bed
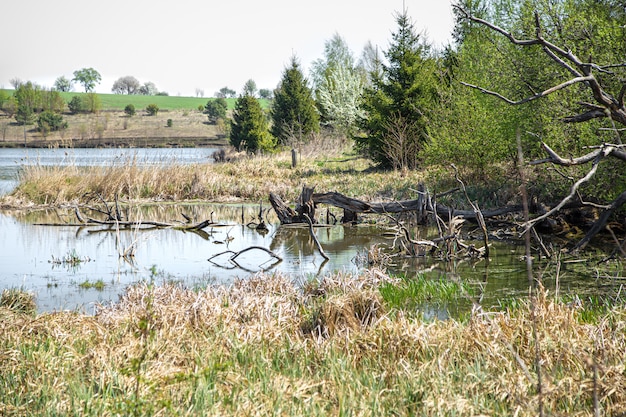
[266,346]
[329,167]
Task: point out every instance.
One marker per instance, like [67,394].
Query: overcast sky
[186,45]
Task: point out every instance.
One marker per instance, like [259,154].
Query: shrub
[76,105]
[130,110]
[49,121]
[152,109]
[170,123]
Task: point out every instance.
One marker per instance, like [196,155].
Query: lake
[13,159]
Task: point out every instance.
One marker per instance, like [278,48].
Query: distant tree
[249,88]
[149,89]
[28,99]
[162,93]
[49,121]
[371,63]
[16,82]
[226,92]
[51,100]
[130,110]
[266,94]
[92,103]
[88,77]
[76,105]
[199,92]
[293,110]
[126,85]
[249,130]
[152,109]
[63,84]
[216,109]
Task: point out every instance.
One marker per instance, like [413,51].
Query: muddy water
[56,261]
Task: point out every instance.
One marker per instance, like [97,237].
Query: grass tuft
[18,300]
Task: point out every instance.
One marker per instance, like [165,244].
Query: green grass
[119,101]
[97,285]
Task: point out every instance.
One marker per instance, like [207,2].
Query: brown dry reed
[266,347]
[323,164]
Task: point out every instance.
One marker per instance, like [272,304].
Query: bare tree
[126,85]
[603,105]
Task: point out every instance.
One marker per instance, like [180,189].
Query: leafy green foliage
[88,77]
[49,121]
[293,109]
[216,109]
[338,86]
[152,109]
[63,84]
[249,127]
[76,105]
[400,101]
[130,110]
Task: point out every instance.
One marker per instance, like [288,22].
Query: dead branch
[235,255]
[317,242]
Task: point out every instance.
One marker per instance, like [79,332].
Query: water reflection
[29,247]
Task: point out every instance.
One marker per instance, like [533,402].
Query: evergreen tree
[398,103]
[249,130]
[293,109]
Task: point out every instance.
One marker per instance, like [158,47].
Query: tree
[249,130]
[405,94]
[249,88]
[149,89]
[16,82]
[216,109]
[49,121]
[130,110]
[63,84]
[88,77]
[76,105]
[339,86]
[559,76]
[199,92]
[126,85]
[225,92]
[293,109]
[152,109]
[266,94]
[92,102]
[28,98]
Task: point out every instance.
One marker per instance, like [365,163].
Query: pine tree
[399,100]
[249,130]
[293,109]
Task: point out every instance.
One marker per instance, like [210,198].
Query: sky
[188,45]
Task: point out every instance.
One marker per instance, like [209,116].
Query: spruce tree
[249,130]
[399,100]
[293,109]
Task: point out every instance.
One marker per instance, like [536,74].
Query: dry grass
[251,350]
[243,179]
[114,126]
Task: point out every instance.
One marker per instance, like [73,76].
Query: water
[12,160]
[31,255]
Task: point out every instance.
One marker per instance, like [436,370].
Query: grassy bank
[263,347]
[327,165]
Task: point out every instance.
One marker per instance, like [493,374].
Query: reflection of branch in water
[233,258]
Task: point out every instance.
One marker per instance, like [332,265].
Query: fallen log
[353,206]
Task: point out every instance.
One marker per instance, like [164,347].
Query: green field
[119,101]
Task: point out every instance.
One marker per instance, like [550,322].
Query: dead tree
[605,105]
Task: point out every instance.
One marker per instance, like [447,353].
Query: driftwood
[353,206]
[235,255]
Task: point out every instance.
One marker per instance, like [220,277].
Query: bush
[216,109]
[170,123]
[152,109]
[130,110]
[49,121]
[76,105]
